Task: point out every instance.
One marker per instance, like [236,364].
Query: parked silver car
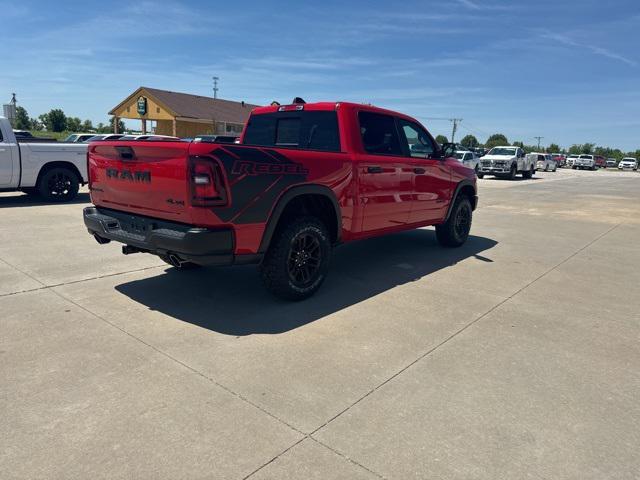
[544,161]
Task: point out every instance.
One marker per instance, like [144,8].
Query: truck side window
[379,134]
[418,143]
[1,139]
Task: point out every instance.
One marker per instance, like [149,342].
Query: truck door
[384,174]
[6,162]
[431,176]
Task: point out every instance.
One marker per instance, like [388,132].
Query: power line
[478,129]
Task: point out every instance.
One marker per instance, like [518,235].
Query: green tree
[121,127]
[87,126]
[587,148]
[553,148]
[74,124]
[22,121]
[575,149]
[495,140]
[55,120]
[36,124]
[470,141]
[442,139]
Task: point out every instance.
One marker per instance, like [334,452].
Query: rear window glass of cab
[305,130]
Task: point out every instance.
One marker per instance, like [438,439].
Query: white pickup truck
[506,162]
[52,170]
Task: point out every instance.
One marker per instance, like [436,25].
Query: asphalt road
[515,356]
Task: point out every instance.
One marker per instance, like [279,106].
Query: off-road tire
[455,231]
[59,184]
[512,173]
[528,173]
[301,245]
[183,265]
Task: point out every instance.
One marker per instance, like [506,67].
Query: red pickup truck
[303,179]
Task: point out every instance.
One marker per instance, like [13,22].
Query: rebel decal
[252,168]
[257,177]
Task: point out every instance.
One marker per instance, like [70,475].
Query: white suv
[628,162]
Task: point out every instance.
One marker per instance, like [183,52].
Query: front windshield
[70,138]
[588,157]
[502,151]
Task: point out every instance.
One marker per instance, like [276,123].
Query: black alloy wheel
[297,261]
[305,257]
[58,185]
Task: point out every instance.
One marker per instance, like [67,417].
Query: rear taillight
[88,171]
[207,183]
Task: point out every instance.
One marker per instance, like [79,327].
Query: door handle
[419,171]
[374,169]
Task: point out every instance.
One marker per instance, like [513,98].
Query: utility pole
[539,138]
[215,87]
[454,128]
[455,122]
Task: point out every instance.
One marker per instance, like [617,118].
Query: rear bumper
[198,245]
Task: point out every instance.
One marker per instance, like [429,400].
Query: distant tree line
[497,139]
[57,121]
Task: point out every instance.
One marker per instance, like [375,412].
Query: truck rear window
[299,129]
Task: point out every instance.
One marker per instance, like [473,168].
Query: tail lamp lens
[207,187]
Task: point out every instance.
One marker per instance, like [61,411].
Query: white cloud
[566,40]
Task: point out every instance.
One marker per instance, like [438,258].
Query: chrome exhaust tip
[175,260]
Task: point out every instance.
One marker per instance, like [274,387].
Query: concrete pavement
[515,356]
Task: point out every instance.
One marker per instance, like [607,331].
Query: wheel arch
[465,187]
[305,199]
[59,164]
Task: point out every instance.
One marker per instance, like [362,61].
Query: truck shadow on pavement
[22,200]
[232,300]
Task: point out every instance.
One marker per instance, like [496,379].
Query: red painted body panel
[155,181]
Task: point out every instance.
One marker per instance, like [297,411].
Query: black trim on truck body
[459,187]
[198,245]
[290,195]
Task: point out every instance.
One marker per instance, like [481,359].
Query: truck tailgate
[147,178]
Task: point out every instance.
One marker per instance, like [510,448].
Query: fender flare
[459,187]
[287,197]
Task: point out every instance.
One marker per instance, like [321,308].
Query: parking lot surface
[515,356]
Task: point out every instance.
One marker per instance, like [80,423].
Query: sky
[568,71]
